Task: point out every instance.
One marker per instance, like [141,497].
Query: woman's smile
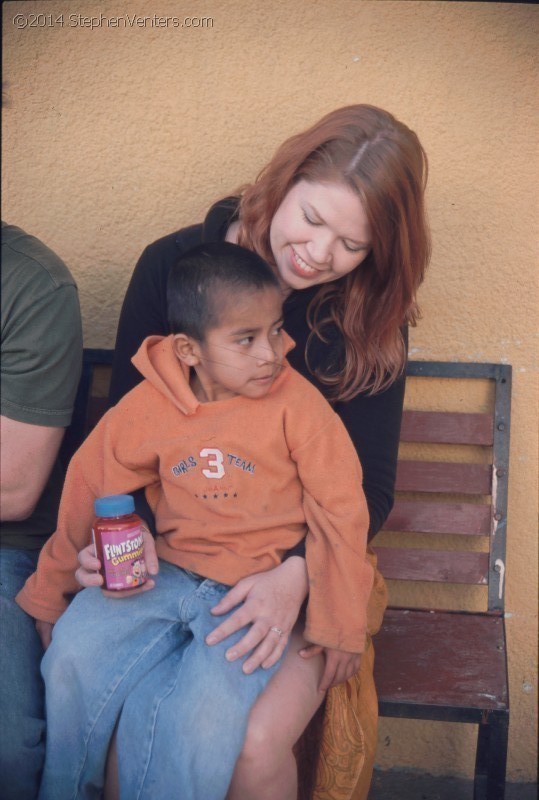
[300,266]
[319,233]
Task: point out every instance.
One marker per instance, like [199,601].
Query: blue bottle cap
[115,505]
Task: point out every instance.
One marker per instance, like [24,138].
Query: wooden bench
[449,527]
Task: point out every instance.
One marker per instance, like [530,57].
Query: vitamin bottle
[119,543]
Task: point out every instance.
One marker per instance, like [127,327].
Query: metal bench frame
[85,412]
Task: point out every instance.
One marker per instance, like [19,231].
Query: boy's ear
[186,349]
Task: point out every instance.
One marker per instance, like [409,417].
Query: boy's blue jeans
[142,663]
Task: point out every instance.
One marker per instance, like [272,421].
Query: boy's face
[243,353]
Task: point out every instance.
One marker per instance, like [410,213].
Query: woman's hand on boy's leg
[339,667]
[87,574]
[270,603]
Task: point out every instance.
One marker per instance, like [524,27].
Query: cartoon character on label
[139,574]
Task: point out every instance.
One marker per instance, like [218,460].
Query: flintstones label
[123,558]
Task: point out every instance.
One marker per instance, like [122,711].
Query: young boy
[241,458]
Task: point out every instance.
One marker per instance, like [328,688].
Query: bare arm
[26,458]
[41,360]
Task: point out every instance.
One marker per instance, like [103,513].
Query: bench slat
[421,517]
[441,659]
[441,566]
[444,427]
[435,476]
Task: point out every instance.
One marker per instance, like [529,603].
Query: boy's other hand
[87,574]
[340,665]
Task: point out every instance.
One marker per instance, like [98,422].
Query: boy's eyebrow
[244,331]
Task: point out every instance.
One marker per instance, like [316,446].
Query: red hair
[378,157]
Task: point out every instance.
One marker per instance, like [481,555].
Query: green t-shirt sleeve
[41,346]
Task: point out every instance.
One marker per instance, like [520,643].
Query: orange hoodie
[233,484]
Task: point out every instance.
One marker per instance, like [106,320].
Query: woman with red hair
[339,214]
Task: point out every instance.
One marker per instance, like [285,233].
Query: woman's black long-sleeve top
[373,421]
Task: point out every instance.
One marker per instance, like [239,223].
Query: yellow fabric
[349,737]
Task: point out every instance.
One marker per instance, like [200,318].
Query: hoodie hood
[158,363]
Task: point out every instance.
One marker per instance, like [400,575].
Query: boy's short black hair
[197,277]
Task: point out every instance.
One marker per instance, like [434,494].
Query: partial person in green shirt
[41,360]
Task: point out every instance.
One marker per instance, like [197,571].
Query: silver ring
[277,630]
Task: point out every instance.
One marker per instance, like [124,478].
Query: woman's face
[318,234]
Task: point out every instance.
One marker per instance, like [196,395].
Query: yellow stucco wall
[119,133]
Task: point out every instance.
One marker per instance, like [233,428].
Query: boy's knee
[63,659]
